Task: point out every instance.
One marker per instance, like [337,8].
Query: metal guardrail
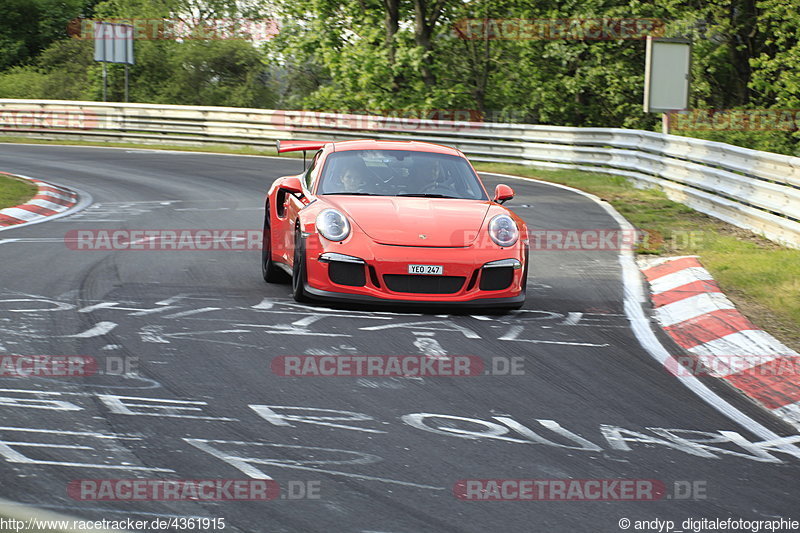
[755,190]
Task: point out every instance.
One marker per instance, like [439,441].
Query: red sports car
[393,222]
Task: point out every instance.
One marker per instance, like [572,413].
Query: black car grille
[351,274]
[424,284]
[496,279]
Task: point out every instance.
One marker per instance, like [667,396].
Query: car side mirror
[503,193]
[292,185]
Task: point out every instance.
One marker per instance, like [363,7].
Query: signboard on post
[113,43]
[667,76]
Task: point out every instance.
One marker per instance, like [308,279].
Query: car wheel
[299,268]
[269,270]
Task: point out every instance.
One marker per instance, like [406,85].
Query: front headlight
[333,225]
[503,230]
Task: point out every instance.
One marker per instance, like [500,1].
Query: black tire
[269,270]
[299,268]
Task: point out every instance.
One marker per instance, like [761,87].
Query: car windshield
[400,173]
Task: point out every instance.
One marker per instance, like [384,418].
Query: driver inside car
[433,179]
[358,179]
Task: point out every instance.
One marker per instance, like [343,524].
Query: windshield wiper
[428,195]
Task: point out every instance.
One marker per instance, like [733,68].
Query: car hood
[434,222]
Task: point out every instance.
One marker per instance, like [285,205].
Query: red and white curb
[50,201]
[692,309]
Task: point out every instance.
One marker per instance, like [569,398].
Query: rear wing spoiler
[296,146]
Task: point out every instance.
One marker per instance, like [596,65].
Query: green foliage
[390,55]
[22,82]
[29,26]
[194,72]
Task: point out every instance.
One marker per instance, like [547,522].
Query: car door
[292,204]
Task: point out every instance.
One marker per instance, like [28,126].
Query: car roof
[416,146]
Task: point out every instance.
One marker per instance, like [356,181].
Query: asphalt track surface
[202,326]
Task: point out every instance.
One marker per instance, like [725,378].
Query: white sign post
[113,43]
[667,76]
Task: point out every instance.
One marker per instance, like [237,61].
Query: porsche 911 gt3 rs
[397,222]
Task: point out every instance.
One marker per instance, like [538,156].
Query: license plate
[434,270]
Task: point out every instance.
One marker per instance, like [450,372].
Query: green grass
[14,192]
[761,277]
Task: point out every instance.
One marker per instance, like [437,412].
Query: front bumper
[480,303]
[359,270]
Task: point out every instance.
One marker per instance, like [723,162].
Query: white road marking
[191,333]
[114,306]
[39,240]
[10,454]
[125,405]
[28,403]
[266,303]
[153,334]
[697,443]
[514,331]
[289,329]
[245,464]
[430,347]
[192,312]
[431,325]
[307,321]
[59,306]
[572,319]
[183,296]
[313,416]
[98,330]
